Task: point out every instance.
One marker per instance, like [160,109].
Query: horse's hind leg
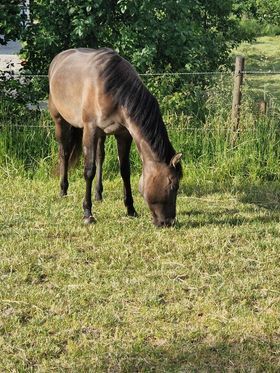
[124,144]
[100,155]
[64,137]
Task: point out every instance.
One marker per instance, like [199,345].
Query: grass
[123,296]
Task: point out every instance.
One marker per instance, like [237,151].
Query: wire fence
[198,118]
[180,100]
[262,87]
[12,73]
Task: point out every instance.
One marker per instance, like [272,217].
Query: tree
[263,11]
[152,34]
[11,21]
[269,11]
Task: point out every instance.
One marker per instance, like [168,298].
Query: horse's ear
[175,159]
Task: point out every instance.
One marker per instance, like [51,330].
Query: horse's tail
[75,146]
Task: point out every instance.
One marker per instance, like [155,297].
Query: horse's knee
[89,172]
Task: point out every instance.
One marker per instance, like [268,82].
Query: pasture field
[124,296]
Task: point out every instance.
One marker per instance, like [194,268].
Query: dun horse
[94,93]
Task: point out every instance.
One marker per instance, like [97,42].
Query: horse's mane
[127,89]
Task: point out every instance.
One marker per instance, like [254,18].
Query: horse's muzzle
[164,223]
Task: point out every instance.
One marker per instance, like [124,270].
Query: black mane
[125,86]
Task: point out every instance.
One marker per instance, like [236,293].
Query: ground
[122,295]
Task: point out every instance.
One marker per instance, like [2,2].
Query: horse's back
[79,57]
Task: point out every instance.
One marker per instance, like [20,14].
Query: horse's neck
[144,148]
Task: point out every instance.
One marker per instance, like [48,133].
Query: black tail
[75,146]
[71,138]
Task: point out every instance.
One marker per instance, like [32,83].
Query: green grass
[124,296]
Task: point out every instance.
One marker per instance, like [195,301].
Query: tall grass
[26,140]
[28,146]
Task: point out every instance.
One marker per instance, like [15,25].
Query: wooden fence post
[236,99]
[262,104]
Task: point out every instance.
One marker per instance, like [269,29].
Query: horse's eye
[171,184]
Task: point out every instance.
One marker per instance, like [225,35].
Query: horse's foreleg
[89,147]
[124,145]
[100,155]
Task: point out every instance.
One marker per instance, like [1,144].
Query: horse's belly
[73,117]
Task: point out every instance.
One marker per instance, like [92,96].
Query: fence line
[11,73]
[178,129]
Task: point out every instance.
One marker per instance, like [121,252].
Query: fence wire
[12,73]
[178,100]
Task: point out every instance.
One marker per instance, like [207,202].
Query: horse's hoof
[89,220]
[132,213]
[98,198]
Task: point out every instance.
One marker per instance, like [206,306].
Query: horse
[94,93]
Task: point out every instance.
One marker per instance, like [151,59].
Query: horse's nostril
[165,223]
[169,222]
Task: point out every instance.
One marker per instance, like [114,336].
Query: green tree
[11,21]
[269,11]
[264,11]
[152,34]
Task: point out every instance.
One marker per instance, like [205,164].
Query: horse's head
[159,185]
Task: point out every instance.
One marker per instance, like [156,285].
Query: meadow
[122,295]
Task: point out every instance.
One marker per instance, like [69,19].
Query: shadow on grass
[224,217]
[183,356]
[266,195]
